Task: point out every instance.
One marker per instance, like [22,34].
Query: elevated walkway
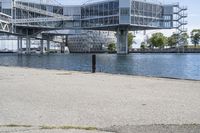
[5,23]
[55,16]
[37,19]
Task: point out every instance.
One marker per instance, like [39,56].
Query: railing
[5,17]
[35,20]
[40,11]
[5,23]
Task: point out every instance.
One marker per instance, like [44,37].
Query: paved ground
[44,97]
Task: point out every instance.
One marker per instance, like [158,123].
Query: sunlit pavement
[108,102]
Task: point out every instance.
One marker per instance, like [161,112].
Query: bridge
[5,23]
[32,20]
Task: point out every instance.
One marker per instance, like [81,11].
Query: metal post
[93,63]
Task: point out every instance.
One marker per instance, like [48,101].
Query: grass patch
[69,127]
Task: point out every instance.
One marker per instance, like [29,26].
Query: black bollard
[93,63]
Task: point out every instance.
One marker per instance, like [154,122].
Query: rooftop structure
[30,19]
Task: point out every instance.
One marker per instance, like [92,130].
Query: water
[183,66]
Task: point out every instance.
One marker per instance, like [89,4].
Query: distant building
[91,41]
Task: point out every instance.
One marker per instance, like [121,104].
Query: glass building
[136,13]
[120,16]
[100,14]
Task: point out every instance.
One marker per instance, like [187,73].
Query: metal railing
[40,11]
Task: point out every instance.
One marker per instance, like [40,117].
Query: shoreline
[139,51]
[106,73]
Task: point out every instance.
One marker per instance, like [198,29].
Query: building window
[124,11]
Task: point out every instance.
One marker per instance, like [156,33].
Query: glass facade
[5,6]
[23,14]
[100,14]
[146,14]
[142,14]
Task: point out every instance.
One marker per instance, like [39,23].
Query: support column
[19,45]
[48,45]
[28,45]
[122,41]
[62,48]
[66,40]
[41,46]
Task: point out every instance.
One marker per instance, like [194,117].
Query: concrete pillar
[28,45]
[66,40]
[48,45]
[122,41]
[62,47]
[19,45]
[41,46]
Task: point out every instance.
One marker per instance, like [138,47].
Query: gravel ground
[50,97]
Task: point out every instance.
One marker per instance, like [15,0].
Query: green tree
[184,39]
[172,40]
[158,40]
[195,37]
[130,40]
[143,46]
[112,47]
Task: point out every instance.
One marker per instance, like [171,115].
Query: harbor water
[181,66]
